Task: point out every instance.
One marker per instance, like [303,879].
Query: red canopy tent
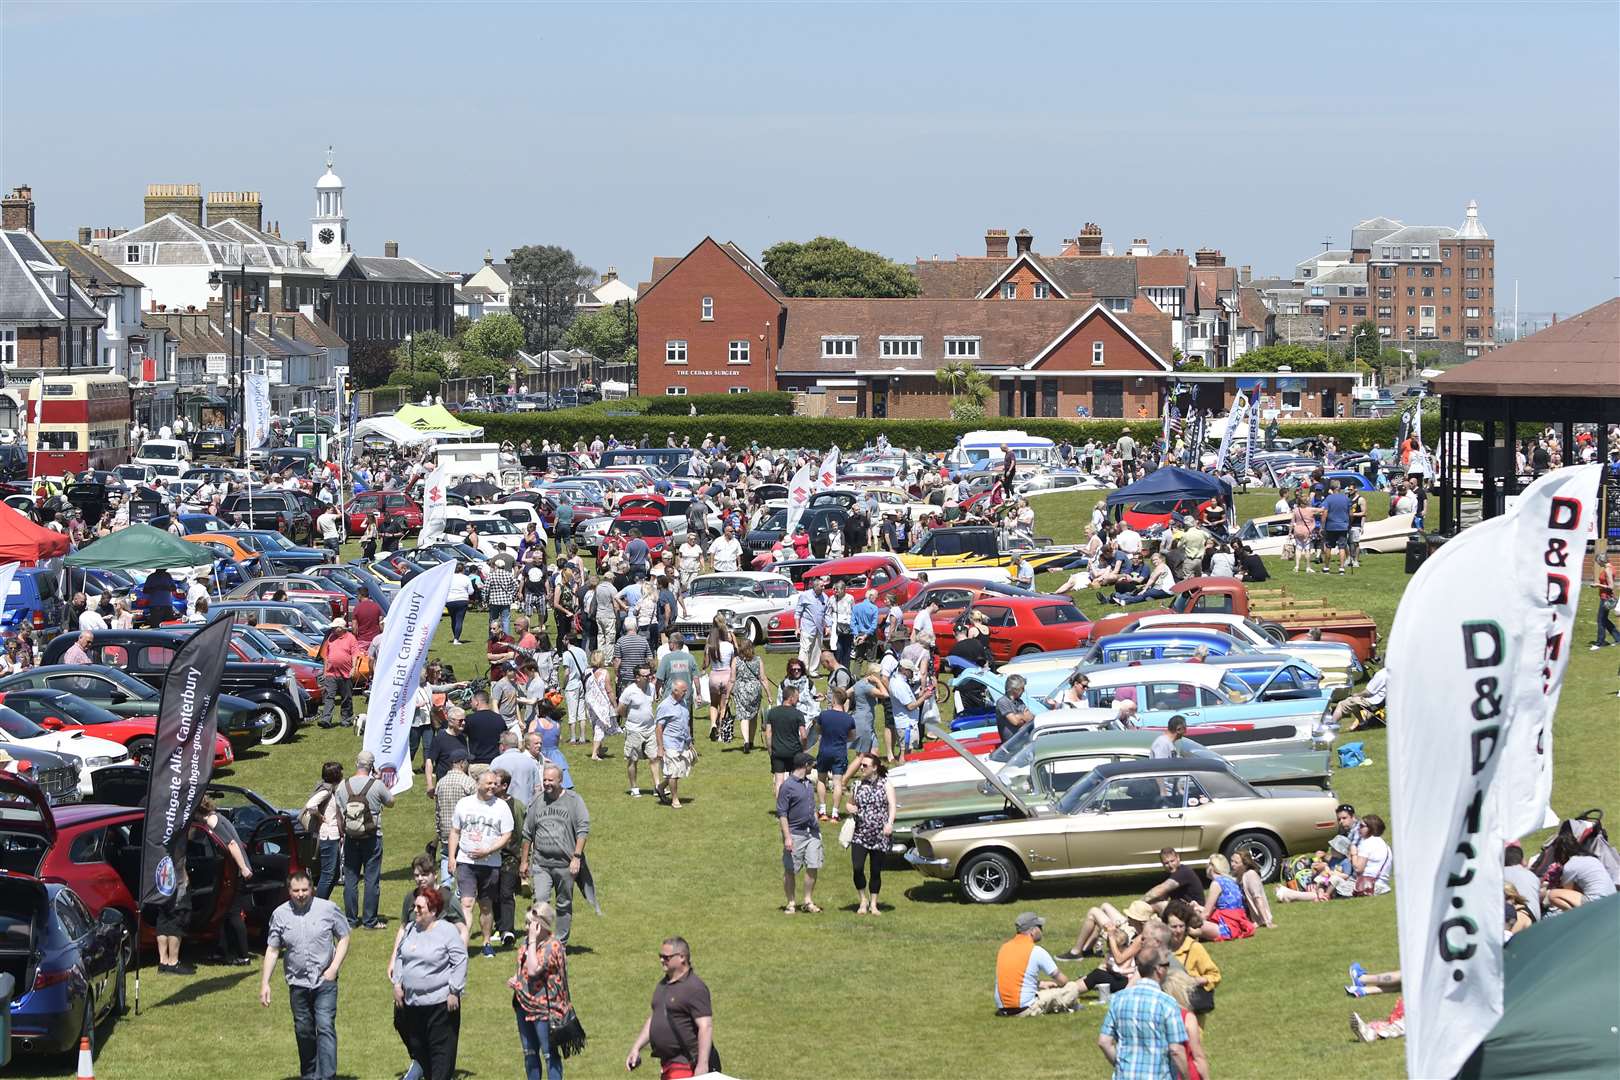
[21,541]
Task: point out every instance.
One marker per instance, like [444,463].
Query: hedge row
[931,435]
[765,403]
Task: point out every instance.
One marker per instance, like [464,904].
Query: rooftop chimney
[611,275]
[1025,240]
[1208,257]
[1245,274]
[17,209]
[1089,242]
[391,249]
[489,260]
[303,245]
[995,243]
[1140,248]
[182,200]
[84,235]
[243,206]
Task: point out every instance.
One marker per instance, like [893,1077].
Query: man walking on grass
[801,835]
[479,829]
[314,937]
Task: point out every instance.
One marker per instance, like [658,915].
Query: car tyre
[756,632]
[990,878]
[1267,853]
[280,729]
[141,749]
[1029,650]
[1274,632]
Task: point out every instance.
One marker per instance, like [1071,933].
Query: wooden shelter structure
[1564,375]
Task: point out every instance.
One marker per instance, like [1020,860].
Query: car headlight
[776,622]
[103,760]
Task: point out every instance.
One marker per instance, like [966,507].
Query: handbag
[846,832]
[1288,549]
[567,1034]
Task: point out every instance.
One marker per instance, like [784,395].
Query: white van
[477,460]
[163,452]
[982,450]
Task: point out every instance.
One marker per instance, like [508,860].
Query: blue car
[33,600]
[283,554]
[191,524]
[1145,645]
[1350,481]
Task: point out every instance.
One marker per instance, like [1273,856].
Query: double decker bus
[82,423]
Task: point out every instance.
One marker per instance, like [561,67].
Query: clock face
[326,236]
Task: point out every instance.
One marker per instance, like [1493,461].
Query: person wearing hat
[801,835]
[1020,964]
[337,654]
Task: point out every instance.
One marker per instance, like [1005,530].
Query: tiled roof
[86,264]
[1576,357]
[378,268]
[753,270]
[1367,233]
[1104,275]
[1416,234]
[1161,271]
[1251,309]
[958,279]
[31,284]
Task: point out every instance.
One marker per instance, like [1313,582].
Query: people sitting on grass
[1573,879]
[1226,917]
[1345,871]
[1020,964]
[1181,884]
[1182,917]
[1366,708]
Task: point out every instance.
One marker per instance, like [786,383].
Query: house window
[8,345]
[1096,354]
[899,348]
[1385,294]
[1343,291]
[838,348]
[1360,290]
[1428,271]
[1290,399]
[1473,333]
[1471,273]
[1445,253]
[1446,310]
[1411,271]
[1428,290]
[1344,309]
[1471,350]
[737,390]
[674,352]
[1471,294]
[708,309]
[962,348]
[1118,303]
[1042,290]
[1386,313]
[132,253]
[1411,291]
[1316,290]
[1445,271]
[1009,291]
[674,391]
[1361,309]
[1472,313]
[1470,253]
[1428,311]
[1425,253]
[737,352]
[1410,310]
[1386,271]
[1445,291]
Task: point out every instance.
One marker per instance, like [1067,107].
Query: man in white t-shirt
[725,554]
[1129,541]
[197,590]
[480,826]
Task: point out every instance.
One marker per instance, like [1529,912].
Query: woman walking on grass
[718,654]
[540,998]
[429,976]
[746,691]
[871,804]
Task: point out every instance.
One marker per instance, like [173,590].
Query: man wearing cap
[500,591]
[1020,965]
[801,835]
[810,611]
[337,655]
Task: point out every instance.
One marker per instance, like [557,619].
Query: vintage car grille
[61,785]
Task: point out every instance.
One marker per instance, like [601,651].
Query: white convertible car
[753,602]
[1267,535]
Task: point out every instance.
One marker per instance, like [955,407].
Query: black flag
[183,759]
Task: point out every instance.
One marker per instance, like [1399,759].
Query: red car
[58,710]
[1021,625]
[1148,515]
[881,575]
[391,503]
[96,850]
[954,598]
[639,515]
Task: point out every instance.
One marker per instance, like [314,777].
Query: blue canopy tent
[1170,485]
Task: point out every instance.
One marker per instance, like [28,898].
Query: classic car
[286,556]
[954,598]
[58,710]
[753,603]
[57,774]
[123,694]
[1027,625]
[875,573]
[1116,819]
[301,587]
[357,581]
[92,753]
[67,965]
[305,618]
[1335,661]
[761,539]
[982,546]
[1043,760]
[146,654]
[885,498]
[1267,535]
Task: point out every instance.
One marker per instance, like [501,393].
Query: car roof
[1159,765]
[1149,634]
[89,813]
[1121,673]
[1053,740]
[752,575]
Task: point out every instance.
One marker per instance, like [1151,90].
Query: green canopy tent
[140,547]
[1561,1001]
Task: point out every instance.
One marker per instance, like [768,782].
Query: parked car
[1336,660]
[391,503]
[282,554]
[146,654]
[954,598]
[815,520]
[876,573]
[56,774]
[1115,821]
[122,694]
[1026,625]
[495,534]
[34,600]
[90,752]
[270,509]
[306,618]
[357,581]
[58,710]
[213,443]
[303,588]
[1336,663]
[1266,535]
[753,603]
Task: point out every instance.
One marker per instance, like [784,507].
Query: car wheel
[1274,632]
[140,750]
[756,632]
[280,729]
[1029,650]
[1262,848]
[120,996]
[989,878]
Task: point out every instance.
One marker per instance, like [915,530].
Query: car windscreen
[776,522]
[496,526]
[18,726]
[1235,690]
[1021,740]
[724,586]
[1078,794]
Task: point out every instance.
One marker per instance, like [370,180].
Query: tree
[606,333]
[1293,357]
[546,280]
[427,352]
[1365,341]
[829,267]
[370,362]
[968,386]
[499,335]
[477,366]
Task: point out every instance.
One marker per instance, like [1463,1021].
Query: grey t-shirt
[1527,883]
[307,939]
[639,716]
[1587,874]
[377,797]
[863,705]
[1164,747]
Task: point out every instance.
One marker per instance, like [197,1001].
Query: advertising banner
[413,617]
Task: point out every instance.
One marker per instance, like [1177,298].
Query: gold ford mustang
[1117,819]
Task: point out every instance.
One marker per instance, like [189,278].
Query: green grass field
[907,995]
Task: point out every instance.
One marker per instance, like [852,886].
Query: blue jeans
[314,1014]
[536,1040]
[362,854]
[458,615]
[331,854]
[421,735]
[502,614]
[1605,622]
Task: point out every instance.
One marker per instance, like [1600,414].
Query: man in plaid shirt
[448,790]
[501,587]
[1143,1036]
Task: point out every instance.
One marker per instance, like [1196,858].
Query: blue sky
[628,131]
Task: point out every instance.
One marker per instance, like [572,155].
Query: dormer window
[962,348]
[708,309]
[838,348]
[132,253]
[1009,291]
[1042,290]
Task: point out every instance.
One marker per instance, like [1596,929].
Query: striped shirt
[631,652]
[1144,1023]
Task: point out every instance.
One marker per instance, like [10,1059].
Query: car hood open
[984,770]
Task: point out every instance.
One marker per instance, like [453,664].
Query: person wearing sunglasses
[680,1028]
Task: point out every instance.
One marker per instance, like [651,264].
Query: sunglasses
[667,956]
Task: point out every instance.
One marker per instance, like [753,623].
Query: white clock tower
[329,229]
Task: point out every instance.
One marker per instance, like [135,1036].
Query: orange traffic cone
[87,1063]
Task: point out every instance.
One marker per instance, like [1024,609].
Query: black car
[281,511]
[146,654]
[240,720]
[814,519]
[213,443]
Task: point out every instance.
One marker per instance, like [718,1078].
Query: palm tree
[961,379]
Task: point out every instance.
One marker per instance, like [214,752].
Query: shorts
[1335,538]
[781,764]
[832,764]
[806,854]
[477,882]
[719,680]
[640,745]
[678,763]
[170,920]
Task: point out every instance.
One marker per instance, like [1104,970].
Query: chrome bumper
[917,860]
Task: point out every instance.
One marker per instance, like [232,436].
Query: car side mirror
[53,723]
[113,920]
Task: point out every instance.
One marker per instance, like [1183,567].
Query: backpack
[358,821]
[307,818]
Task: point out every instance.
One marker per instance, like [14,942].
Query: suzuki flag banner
[255,409]
[413,616]
[799,491]
[183,756]
[1475,675]
[434,500]
[828,476]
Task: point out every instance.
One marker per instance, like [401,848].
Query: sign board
[273,368]
[310,441]
[217,363]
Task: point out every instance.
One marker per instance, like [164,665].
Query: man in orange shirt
[1020,963]
[337,655]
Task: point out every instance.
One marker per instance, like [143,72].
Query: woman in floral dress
[871,804]
[747,690]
